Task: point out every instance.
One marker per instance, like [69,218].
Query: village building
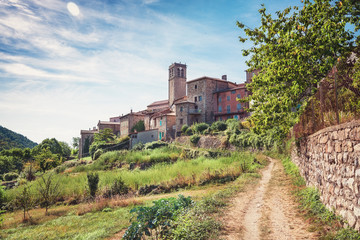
[205,99]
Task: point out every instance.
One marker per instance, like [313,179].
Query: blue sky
[61,72]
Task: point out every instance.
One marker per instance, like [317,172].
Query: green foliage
[93,181]
[138,127]
[189,132]
[155,144]
[293,52]
[24,200]
[193,225]
[46,159]
[199,127]
[194,139]
[310,201]
[156,219]
[10,139]
[119,187]
[49,190]
[66,150]
[97,154]
[218,126]
[347,234]
[2,196]
[10,176]
[184,128]
[292,170]
[52,145]
[106,135]
[10,164]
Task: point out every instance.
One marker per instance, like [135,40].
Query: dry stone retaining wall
[329,160]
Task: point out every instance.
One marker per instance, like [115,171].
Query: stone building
[128,121]
[86,138]
[205,99]
[114,126]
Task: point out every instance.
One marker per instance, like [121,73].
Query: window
[200,98]
[233,92]
[219,99]
[228,108]
[220,118]
[238,96]
[238,106]
[195,99]
[195,86]
[178,72]
[228,98]
[236,117]
[160,123]
[181,121]
[220,109]
[181,109]
[154,122]
[182,73]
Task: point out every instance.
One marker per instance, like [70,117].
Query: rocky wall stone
[329,160]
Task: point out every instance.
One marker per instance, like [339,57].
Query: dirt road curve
[266,211]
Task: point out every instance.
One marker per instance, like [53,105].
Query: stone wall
[329,160]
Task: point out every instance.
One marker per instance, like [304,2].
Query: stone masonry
[329,160]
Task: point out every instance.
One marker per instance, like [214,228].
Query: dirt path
[266,211]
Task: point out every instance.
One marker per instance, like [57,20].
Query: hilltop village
[204,99]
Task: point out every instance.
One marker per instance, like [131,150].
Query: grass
[73,185]
[93,225]
[324,221]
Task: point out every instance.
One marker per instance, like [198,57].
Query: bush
[219,126]
[97,154]
[157,218]
[192,225]
[194,139]
[200,127]
[138,147]
[156,144]
[93,181]
[2,196]
[119,187]
[10,176]
[184,128]
[189,132]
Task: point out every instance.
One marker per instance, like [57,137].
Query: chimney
[224,77]
[94,128]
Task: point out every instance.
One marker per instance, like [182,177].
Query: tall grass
[73,185]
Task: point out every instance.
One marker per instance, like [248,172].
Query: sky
[66,65]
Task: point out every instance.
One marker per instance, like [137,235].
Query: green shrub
[156,144]
[189,132]
[347,234]
[184,128]
[2,196]
[119,187]
[138,147]
[194,139]
[156,219]
[10,176]
[97,154]
[219,126]
[200,127]
[191,225]
[93,181]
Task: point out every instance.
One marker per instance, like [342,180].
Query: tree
[24,200]
[66,150]
[46,159]
[138,127]
[49,190]
[294,52]
[106,135]
[75,142]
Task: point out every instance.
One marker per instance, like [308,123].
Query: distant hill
[10,139]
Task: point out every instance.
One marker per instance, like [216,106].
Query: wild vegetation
[10,139]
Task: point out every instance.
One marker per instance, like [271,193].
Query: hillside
[10,139]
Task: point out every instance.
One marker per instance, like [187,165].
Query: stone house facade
[128,121]
[114,126]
